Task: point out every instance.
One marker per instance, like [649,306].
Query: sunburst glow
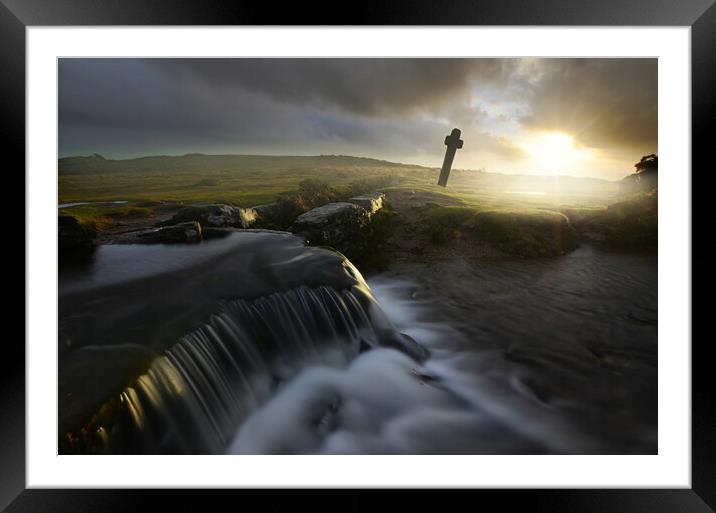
[553,152]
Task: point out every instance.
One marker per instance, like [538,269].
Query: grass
[97,218]
[179,187]
[237,180]
[244,180]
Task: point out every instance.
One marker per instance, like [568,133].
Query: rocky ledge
[334,224]
[182,232]
[341,225]
[371,202]
[216,216]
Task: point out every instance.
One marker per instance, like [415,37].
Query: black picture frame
[17,15]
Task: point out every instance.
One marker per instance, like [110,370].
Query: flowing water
[292,352]
[79,203]
[194,396]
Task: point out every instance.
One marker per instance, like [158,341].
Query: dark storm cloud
[360,86]
[387,108]
[250,104]
[602,102]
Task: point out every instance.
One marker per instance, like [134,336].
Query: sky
[579,117]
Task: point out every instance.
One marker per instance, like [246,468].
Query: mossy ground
[527,233]
[631,224]
[424,215]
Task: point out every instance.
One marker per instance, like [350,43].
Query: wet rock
[371,202]
[218,215]
[364,346]
[399,341]
[423,376]
[73,237]
[340,225]
[217,233]
[183,232]
[403,343]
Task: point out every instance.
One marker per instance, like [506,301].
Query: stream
[256,344]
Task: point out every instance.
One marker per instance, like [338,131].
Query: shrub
[310,194]
[371,184]
[376,237]
[315,193]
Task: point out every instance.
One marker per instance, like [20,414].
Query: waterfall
[193,396]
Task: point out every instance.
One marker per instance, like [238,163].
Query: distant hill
[199,162]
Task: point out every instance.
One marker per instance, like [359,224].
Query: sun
[552,152]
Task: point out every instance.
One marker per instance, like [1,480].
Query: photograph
[375,256]
[412,248]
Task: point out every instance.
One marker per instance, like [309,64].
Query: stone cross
[453,142]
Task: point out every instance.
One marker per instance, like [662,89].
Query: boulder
[340,225]
[267,211]
[72,236]
[217,215]
[274,215]
[371,202]
[182,232]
